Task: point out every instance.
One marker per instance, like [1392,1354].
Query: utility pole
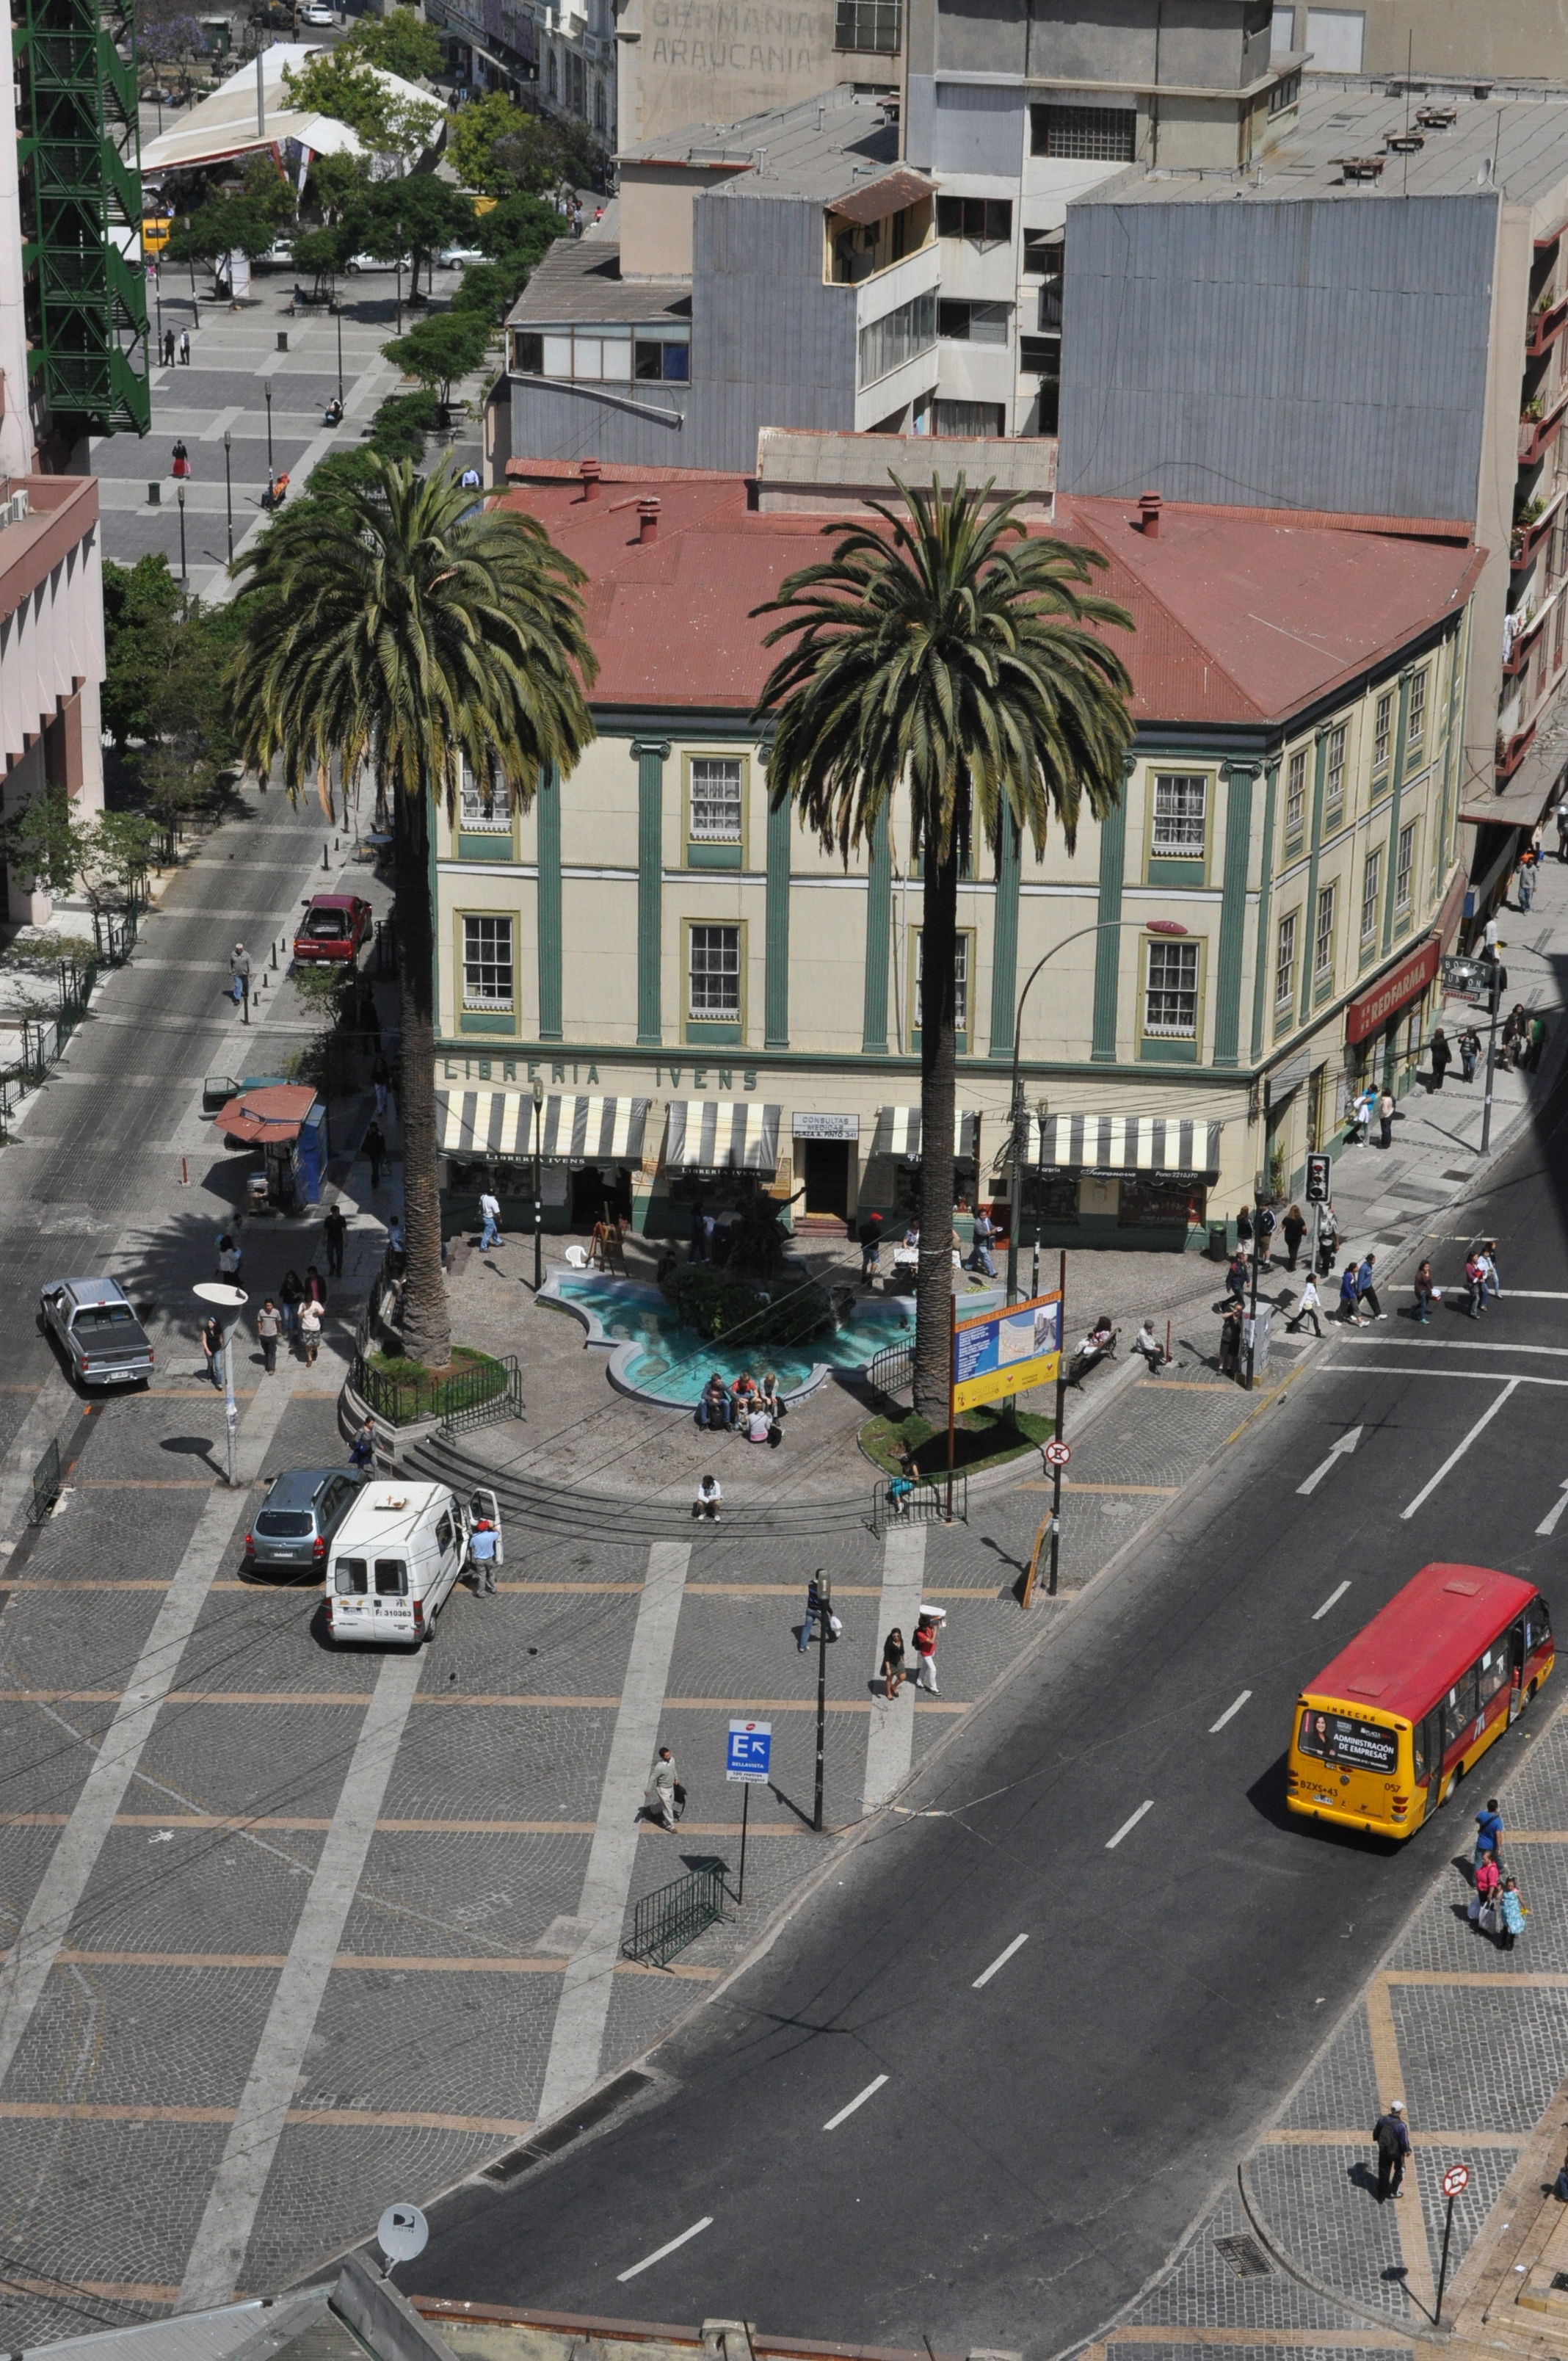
[184,573]
[229,490]
[538,1189]
[824,1610]
[266,397]
[1500,977]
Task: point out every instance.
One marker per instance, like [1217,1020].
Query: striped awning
[898,1132]
[572,1130]
[1129,1143]
[721,1135]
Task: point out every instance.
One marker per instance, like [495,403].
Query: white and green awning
[898,1132]
[1128,1143]
[721,1135]
[572,1129]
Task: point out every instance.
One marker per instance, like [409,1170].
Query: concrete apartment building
[707,998]
[1526,40]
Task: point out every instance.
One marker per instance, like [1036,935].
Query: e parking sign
[750,1752]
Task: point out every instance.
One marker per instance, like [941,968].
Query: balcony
[1524,640]
[1511,752]
[1545,327]
[1537,435]
[1526,539]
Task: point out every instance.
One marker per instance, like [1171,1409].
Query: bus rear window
[1349,1744]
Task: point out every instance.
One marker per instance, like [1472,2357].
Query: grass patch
[400,1389]
[984,1438]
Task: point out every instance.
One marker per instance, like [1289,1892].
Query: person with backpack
[1489,1833]
[1392,2135]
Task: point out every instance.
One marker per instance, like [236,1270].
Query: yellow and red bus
[1386,1731]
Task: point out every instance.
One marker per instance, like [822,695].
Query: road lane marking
[1394,1369]
[1128,1826]
[1230,1713]
[659,2252]
[1548,1522]
[1347,1442]
[1457,1453]
[890,1738]
[1462,1345]
[859,2099]
[1331,1600]
[1000,1962]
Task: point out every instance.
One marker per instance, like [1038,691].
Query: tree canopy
[342,84]
[400,43]
[443,346]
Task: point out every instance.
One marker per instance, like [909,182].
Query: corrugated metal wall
[1317,353]
[772,345]
[551,422]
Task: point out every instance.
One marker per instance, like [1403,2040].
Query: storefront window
[1051,1197]
[1157,1201]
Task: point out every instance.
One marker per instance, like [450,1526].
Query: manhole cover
[1390,1238]
[1245,2256]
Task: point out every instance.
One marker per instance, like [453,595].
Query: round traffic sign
[1058,1454]
[401,2233]
[1456,2180]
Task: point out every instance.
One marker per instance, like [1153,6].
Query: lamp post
[184,576]
[824,1614]
[538,1189]
[228,1303]
[338,316]
[229,490]
[266,397]
[1499,978]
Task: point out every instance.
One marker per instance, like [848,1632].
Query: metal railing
[487,1405]
[672,1916]
[46,1485]
[926,1505]
[490,1389]
[892,1369]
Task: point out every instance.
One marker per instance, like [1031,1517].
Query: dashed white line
[659,2252]
[1128,1826]
[1000,1962]
[1331,1600]
[859,2099]
[1230,1713]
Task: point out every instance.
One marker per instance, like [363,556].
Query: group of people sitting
[757,1411]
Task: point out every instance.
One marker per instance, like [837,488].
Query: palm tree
[948,651]
[401,625]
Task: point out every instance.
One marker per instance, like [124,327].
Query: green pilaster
[1233,914]
[775,980]
[1004,939]
[1391,859]
[1309,914]
[1449,755]
[879,931]
[652,755]
[547,911]
[1260,968]
[1108,946]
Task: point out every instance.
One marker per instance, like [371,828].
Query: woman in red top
[925,1649]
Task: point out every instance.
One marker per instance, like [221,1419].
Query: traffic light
[1317,1170]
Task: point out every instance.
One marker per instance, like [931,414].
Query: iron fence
[487,1405]
[673,1915]
[490,1389]
[892,1369]
[926,1505]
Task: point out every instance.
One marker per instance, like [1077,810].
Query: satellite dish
[401,2233]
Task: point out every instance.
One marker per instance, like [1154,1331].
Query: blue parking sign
[750,1752]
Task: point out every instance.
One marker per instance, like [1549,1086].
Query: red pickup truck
[334,927]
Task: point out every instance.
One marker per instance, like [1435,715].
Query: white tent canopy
[227,124]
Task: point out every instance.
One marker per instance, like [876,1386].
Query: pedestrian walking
[984,1233]
[709,1495]
[1148,1343]
[1441,1058]
[1392,2135]
[362,1449]
[893,1674]
[1236,1278]
[212,1345]
[374,1146]
[334,1232]
[1243,1230]
[169,348]
[1308,1307]
[660,1800]
[1488,1884]
[1511,1906]
[268,1328]
[180,461]
[1486,1257]
[1294,1228]
[315,1287]
[1561,818]
[870,1248]
[482,1543]
[1476,1281]
[1386,1108]
[310,1330]
[290,1293]
[1489,1833]
[1469,1051]
[184,347]
[491,1217]
[1366,1286]
[814,1608]
[1350,1295]
[1524,884]
[1266,1226]
[239,977]
[1426,1293]
[229,1258]
[925,1649]
[380,1081]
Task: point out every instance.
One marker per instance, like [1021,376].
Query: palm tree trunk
[427,1325]
[938,1046]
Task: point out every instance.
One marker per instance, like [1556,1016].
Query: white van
[396,1558]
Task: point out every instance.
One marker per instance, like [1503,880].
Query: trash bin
[1219,1242]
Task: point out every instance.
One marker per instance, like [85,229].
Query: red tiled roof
[1241,616]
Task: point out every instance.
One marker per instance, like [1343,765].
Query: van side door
[448,1543]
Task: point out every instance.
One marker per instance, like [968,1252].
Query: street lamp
[824,1626]
[538,1190]
[184,576]
[229,490]
[228,1303]
[337,309]
[266,397]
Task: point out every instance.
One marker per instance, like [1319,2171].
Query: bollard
[282,340]
[155,496]
[185,1171]
[324,861]
[274,955]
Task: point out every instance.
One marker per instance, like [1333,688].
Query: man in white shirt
[1146,1342]
[491,1216]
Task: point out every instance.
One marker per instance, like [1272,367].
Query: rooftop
[1511,142]
[225,124]
[1242,617]
[579,280]
[825,148]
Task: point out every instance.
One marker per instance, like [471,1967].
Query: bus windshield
[1347,1742]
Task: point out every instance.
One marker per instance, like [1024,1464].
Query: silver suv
[299,1517]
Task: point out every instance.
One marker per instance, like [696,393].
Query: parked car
[358,262]
[316,12]
[104,1341]
[334,927]
[459,258]
[295,1523]
[281,254]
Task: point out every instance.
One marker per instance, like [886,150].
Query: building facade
[704,1000]
[1527,41]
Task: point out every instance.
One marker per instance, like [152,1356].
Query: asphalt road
[1026,2150]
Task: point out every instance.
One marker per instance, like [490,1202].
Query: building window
[658,350]
[987,220]
[1371,893]
[1416,713]
[486,963]
[898,336]
[484,804]
[1091,135]
[1404,870]
[551,84]
[1296,795]
[1285,964]
[1170,998]
[1181,816]
[961,981]
[1040,356]
[1044,251]
[869,25]
[1335,38]
[1383,732]
[974,324]
[715,956]
[974,418]
[1323,938]
[601,118]
[715,799]
[576,82]
[1285,95]
[1334,773]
